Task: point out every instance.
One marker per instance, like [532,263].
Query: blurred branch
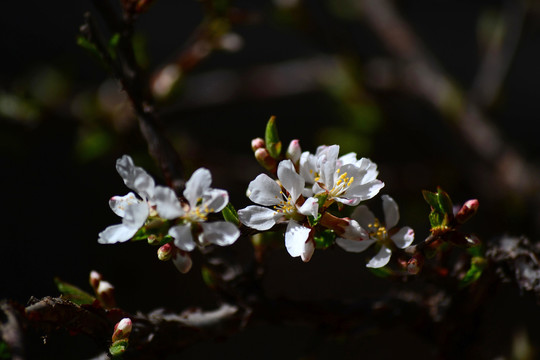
[11,329]
[428,81]
[125,69]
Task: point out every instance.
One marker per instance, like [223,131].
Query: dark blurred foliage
[327,77]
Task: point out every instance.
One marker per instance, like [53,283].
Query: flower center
[200,212]
[376,230]
[286,205]
[342,184]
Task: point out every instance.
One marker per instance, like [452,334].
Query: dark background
[58,161]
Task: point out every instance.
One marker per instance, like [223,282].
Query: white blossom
[385,235]
[132,209]
[284,207]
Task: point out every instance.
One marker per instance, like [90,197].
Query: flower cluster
[307,187]
[158,206]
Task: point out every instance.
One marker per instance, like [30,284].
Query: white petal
[135,215]
[308,167]
[264,191]
[216,199]
[391,212]
[309,207]
[221,233]
[381,259]
[309,249]
[167,204]
[182,261]
[364,216]
[116,233]
[296,236]
[118,204]
[135,178]
[349,158]
[354,245]
[182,237]
[364,191]
[291,181]
[258,217]
[355,232]
[197,185]
[403,238]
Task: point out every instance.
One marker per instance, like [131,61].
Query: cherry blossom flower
[385,235]
[132,209]
[201,201]
[286,206]
[343,179]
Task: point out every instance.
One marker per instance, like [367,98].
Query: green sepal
[314,220]
[5,352]
[73,293]
[321,199]
[478,264]
[432,200]
[229,214]
[271,138]
[324,239]
[166,239]
[436,219]
[383,272]
[118,347]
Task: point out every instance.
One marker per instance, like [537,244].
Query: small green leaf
[314,220]
[436,219]
[445,202]
[73,293]
[478,265]
[273,144]
[83,42]
[324,239]
[119,347]
[113,44]
[229,214]
[432,199]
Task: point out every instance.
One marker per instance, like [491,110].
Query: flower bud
[105,293]
[467,211]
[95,279]
[294,151]
[122,329]
[264,158]
[182,261]
[257,143]
[414,265]
[165,252]
[153,240]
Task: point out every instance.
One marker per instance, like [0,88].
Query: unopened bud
[414,265]
[95,279]
[182,261]
[122,329]
[153,240]
[165,252]
[467,211]
[105,293]
[257,143]
[294,151]
[263,157]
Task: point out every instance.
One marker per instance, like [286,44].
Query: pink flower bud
[467,211]
[264,158]
[153,240]
[122,330]
[257,143]
[294,151]
[95,279]
[414,265]
[165,252]
[105,293]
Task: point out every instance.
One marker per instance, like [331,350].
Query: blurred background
[436,92]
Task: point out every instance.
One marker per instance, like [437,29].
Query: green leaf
[229,214]
[83,42]
[273,144]
[436,219]
[73,293]
[314,220]
[445,202]
[432,199]
[478,265]
[118,347]
[324,239]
